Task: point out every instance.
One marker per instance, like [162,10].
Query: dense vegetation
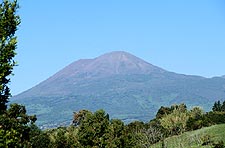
[88,129]
[98,130]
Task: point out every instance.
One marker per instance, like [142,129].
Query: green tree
[92,131]
[9,21]
[120,135]
[15,124]
[135,126]
[216,117]
[196,119]
[176,122]
[96,130]
[38,138]
[60,139]
[217,106]
[163,111]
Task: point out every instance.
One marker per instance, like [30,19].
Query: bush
[219,144]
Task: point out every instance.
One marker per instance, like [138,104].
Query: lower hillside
[206,137]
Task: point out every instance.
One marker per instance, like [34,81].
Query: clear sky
[183,36]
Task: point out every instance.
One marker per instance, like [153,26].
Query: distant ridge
[124,85]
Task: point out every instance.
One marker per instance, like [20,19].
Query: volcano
[122,84]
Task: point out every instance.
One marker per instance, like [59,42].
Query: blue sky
[183,36]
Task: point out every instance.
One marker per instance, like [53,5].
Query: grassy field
[194,139]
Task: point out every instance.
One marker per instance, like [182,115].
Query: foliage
[177,119]
[163,111]
[97,130]
[218,107]
[216,117]
[206,140]
[148,136]
[215,134]
[16,126]
[135,126]
[78,117]
[38,138]
[93,131]
[176,122]
[219,144]
[197,119]
[8,26]
[62,137]
[119,134]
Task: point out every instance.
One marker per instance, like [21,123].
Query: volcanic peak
[117,62]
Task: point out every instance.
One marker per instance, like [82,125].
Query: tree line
[96,129]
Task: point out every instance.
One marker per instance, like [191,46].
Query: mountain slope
[107,65]
[124,85]
[195,138]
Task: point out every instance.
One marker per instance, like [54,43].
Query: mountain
[117,63]
[124,85]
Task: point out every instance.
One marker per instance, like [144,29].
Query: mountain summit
[120,62]
[114,63]
[124,85]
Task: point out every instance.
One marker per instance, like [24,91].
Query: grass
[194,139]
